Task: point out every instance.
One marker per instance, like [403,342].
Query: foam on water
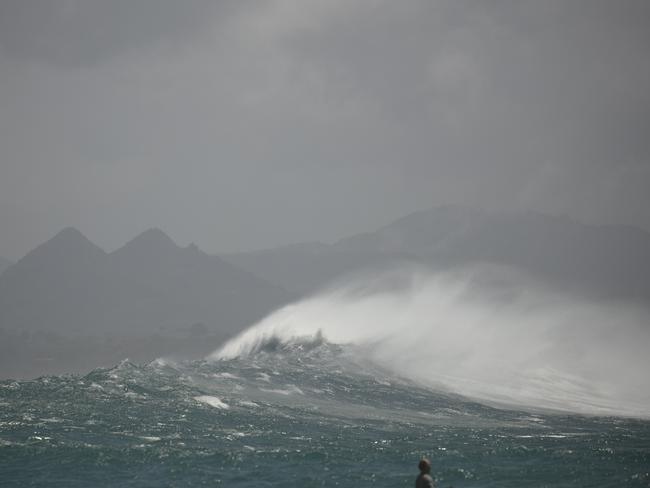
[341,425]
[526,347]
[212,401]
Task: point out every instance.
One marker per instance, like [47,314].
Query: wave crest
[273,342]
[520,345]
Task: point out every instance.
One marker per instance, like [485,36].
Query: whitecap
[212,401]
[247,403]
[288,391]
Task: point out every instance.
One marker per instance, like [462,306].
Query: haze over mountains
[70,306]
[68,284]
[603,261]
[4,264]
[68,288]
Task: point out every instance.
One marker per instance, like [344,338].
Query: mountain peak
[153,237]
[68,245]
[155,233]
[70,239]
[151,242]
[69,234]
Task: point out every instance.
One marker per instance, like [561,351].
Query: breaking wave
[515,344]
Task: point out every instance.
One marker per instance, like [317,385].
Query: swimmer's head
[424,465]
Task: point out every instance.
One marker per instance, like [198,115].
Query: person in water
[424,480]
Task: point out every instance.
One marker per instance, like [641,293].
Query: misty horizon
[225,252]
[248,126]
[187,301]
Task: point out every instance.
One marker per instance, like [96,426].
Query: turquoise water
[294,418]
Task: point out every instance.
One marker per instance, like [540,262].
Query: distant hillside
[4,264]
[304,268]
[68,284]
[612,261]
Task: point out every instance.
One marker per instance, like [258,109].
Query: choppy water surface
[294,418]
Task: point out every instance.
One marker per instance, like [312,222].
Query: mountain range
[69,306]
[611,261]
[69,285]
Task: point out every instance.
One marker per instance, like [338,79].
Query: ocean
[323,393]
[295,417]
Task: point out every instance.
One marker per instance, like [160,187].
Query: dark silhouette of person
[424,480]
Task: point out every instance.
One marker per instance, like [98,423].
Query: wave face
[504,341]
[299,413]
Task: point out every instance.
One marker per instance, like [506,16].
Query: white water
[524,346]
[212,401]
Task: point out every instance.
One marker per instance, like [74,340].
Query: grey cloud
[283,121]
[74,33]
[501,90]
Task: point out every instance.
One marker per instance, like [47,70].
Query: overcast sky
[246,125]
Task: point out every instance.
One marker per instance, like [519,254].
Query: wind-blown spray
[517,345]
